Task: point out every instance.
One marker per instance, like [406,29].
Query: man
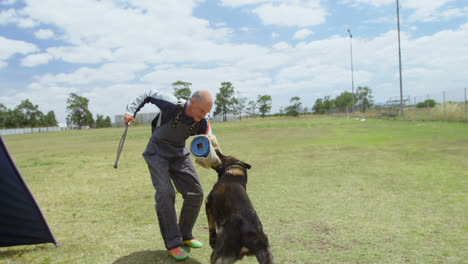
[168,159]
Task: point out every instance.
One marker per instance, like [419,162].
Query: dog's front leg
[211,224]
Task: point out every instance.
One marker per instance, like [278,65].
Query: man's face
[200,109]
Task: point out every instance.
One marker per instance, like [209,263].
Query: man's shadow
[153,257]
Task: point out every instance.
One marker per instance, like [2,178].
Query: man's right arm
[149,95]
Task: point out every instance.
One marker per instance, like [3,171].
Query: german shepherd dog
[235,229]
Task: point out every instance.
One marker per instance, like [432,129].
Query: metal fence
[29,130]
[449,106]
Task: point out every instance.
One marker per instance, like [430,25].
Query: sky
[110,50]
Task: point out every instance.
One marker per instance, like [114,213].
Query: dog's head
[229,163]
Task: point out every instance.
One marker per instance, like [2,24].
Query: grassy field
[327,190]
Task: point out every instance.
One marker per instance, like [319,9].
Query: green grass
[327,190]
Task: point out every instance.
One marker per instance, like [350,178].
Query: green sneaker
[193,243]
[178,253]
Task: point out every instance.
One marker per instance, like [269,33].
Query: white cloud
[36,59]
[112,99]
[282,46]
[376,3]
[220,24]
[104,35]
[111,72]
[8,2]
[11,47]
[296,14]
[275,35]
[424,11]
[237,3]
[302,34]
[10,16]
[428,11]
[81,54]
[454,12]
[44,34]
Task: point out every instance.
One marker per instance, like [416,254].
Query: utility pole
[399,58]
[352,77]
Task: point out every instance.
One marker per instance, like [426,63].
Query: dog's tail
[257,242]
[264,256]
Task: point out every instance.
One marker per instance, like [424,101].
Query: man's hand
[128,120]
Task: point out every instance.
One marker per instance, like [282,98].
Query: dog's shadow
[146,257]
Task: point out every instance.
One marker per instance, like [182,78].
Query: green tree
[365,98]
[99,121]
[107,122]
[318,107]
[49,120]
[28,114]
[78,113]
[10,119]
[182,90]
[240,106]
[328,103]
[344,100]
[3,114]
[426,103]
[295,108]
[103,122]
[264,104]
[225,100]
[251,108]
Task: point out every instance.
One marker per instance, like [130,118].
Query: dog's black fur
[235,229]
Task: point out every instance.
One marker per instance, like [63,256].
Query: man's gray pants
[185,179]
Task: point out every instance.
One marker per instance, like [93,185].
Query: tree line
[227,102]
[78,114]
[26,114]
[363,100]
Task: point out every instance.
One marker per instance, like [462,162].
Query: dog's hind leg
[211,224]
[223,252]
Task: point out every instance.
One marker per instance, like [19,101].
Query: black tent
[21,220]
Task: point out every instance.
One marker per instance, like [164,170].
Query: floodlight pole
[352,77]
[399,58]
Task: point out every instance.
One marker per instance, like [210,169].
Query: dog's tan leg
[211,224]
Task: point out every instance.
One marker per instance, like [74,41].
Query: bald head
[199,105]
[202,95]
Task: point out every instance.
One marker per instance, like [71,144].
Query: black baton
[119,150]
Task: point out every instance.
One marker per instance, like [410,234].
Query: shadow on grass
[158,256]
[18,251]
[11,253]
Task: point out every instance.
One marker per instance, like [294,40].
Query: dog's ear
[246,165]
[220,155]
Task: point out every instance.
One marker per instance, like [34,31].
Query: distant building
[141,119]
